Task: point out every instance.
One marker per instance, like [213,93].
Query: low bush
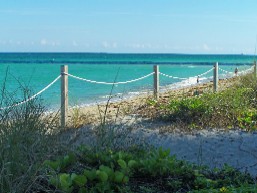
[187,110]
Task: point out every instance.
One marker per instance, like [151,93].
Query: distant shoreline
[136,53]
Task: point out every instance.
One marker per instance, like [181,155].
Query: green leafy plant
[247,120]
[61,163]
[156,169]
[187,110]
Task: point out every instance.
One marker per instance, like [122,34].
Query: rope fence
[175,77]
[225,71]
[251,69]
[32,97]
[64,85]
[242,72]
[109,83]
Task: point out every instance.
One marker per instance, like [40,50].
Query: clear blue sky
[138,26]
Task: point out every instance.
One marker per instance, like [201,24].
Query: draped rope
[32,97]
[175,77]
[109,83]
[242,72]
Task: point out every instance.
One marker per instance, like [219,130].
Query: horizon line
[139,53]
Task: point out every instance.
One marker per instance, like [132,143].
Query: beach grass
[27,137]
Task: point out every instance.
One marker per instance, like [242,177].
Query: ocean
[37,70]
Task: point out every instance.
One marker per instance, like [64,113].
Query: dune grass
[27,137]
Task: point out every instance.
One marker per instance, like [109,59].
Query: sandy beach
[136,105]
[213,147]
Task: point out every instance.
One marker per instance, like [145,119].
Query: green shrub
[227,108]
[247,119]
[188,109]
[141,171]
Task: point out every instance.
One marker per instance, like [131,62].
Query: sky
[129,26]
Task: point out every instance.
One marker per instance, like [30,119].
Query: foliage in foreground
[140,171]
[26,139]
[233,107]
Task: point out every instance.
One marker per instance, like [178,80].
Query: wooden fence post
[156,82]
[216,77]
[64,95]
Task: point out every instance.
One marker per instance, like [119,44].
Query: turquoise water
[36,70]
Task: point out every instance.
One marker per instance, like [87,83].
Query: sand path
[211,147]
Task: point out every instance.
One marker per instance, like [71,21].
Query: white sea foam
[185,83]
